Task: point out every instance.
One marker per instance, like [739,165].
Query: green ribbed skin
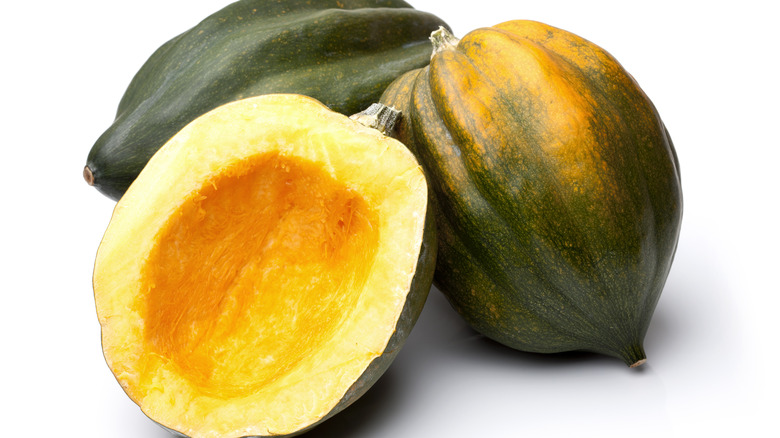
[343,53]
[557,187]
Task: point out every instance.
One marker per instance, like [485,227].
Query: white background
[711,69]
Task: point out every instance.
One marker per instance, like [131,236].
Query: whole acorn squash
[344,53]
[264,269]
[557,186]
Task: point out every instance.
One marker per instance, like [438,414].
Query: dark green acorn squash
[341,52]
[557,186]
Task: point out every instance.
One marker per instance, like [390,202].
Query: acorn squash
[557,187]
[264,269]
[342,52]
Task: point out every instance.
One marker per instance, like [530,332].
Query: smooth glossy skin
[343,53]
[557,187]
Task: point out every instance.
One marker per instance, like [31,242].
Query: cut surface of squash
[287,227]
[258,266]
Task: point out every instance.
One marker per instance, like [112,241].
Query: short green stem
[380,117]
[442,40]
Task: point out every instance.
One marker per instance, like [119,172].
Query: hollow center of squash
[255,271]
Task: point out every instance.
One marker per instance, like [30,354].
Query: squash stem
[89,177]
[634,355]
[377,116]
[442,40]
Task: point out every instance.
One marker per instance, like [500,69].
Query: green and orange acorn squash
[264,269]
[344,53]
[557,187]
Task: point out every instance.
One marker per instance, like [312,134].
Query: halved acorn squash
[264,269]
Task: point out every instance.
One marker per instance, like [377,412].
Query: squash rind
[343,53]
